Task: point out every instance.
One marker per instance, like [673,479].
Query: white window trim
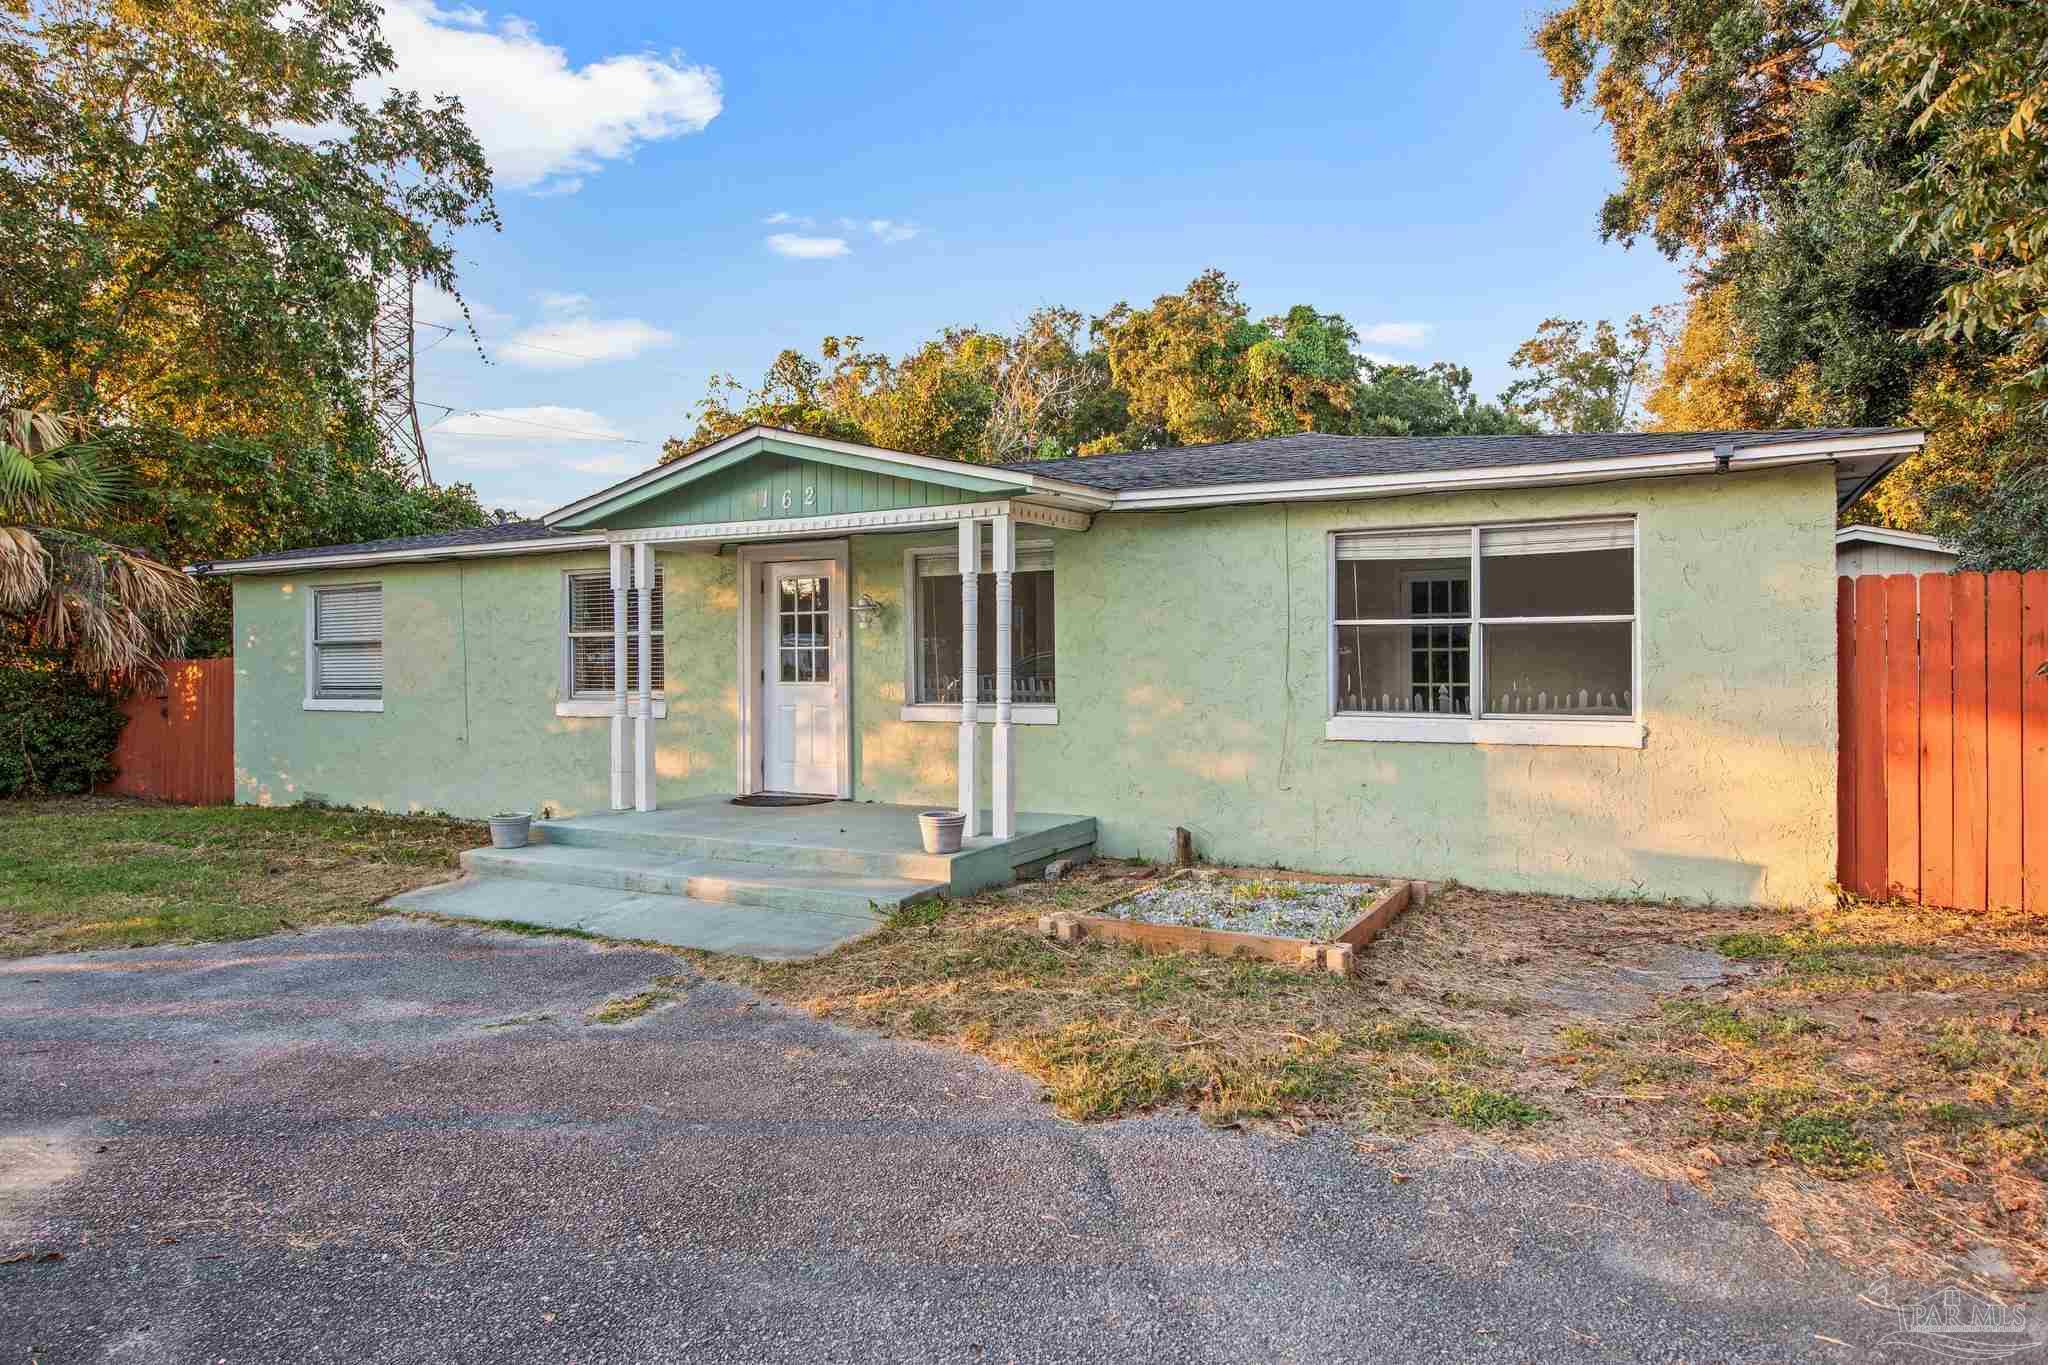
[939,712]
[948,713]
[572,705]
[593,706]
[311,702]
[1608,732]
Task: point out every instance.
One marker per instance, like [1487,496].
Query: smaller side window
[587,636]
[348,643]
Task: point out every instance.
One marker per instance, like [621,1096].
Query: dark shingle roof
[1310,455]
[1313,455]
[504,531]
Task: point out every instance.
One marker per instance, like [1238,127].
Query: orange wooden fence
[179,744]
[1943,794]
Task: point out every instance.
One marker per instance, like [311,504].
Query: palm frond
[24,568]
[113,611]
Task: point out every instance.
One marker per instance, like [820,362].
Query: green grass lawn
[113,873]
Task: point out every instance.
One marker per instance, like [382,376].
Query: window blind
[348,642]
[1030,559]
[1451,544]
[1557,540]
[590,634]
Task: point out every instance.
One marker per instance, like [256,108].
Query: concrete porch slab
[866,838]
[678,921]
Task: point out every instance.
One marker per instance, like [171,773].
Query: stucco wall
[472,671]
[1191,649]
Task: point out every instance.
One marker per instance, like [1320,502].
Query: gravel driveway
[403,1142]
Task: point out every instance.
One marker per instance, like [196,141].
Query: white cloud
[1378,357]
[498,436]
[543,122]
[570,342]
[614,465]
[805,248]
[432,306]
[888,230]
[1394,333]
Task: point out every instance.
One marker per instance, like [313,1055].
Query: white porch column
[970,677]
[1002,775]
[643,708]
[618,585]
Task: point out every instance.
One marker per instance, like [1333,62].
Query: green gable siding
[768,480]
[776,487]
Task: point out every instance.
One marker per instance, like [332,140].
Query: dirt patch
[1870,1077]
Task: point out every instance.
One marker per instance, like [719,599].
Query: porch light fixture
[866,611]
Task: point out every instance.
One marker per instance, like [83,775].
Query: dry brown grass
[1873,1075]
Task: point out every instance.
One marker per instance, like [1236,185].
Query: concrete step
[703,879]
[681,921]
[983,862]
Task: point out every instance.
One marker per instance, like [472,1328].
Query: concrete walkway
[679,921]
[405,1142]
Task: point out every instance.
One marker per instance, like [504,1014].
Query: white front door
[800,720]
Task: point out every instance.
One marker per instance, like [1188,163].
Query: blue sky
[687,190]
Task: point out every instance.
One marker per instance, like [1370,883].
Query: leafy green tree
[1974,76]
[1188,368]
[1864,188]
[1433,400]
[196,205]
[1587,382]
[1702,98]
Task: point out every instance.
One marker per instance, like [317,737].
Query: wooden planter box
[1336,955]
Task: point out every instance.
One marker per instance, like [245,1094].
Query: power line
[490,416]
[522,345]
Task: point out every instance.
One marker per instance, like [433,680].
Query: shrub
[57,729]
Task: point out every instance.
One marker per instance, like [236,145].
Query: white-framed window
[345,648]
[587,636]
[936,674]
[1510,633]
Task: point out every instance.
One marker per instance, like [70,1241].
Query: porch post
[1002,775]
[618,584]
[643,712]
[970,676]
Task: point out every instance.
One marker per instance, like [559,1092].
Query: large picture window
[587,631]
[938,675]
[1486,622]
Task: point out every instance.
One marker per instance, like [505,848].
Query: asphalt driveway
[405,1142]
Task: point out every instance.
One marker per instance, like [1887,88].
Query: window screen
[940,675]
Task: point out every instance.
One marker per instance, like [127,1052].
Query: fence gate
[179,745]
[1943,793]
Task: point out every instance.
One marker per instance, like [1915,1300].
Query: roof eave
[418,555]
[1890,448]
[1078,497]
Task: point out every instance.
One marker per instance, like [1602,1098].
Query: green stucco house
[1574,663]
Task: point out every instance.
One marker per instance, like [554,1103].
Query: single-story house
[1863,549]
[1572,663]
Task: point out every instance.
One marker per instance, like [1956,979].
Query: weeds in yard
[1828,1145]
[620,1009]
